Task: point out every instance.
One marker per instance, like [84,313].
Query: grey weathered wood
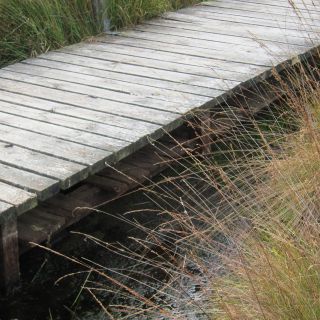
[67,112]
[56,69]
[93,86]
[183,52]
[146,71]
[171,61]
[66,62]
[22,200]
[301,6]
[7,211]
[118,135]
[52,130]
[44,187]
[196,16]
[96,86]
[234,12]
[54,147]
[101,123]
[294,8]
[79,95]
[39,225]
[9,251]
[245,38]
[276,12]
[155,61]
[68,173]
[203,48]
[271,34]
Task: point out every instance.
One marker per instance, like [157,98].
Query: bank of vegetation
[241,237]
[248,224]
[31,27]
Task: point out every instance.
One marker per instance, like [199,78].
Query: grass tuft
[31,27]
[124,13]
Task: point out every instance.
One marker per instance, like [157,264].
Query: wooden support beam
[9,255]
[201,124]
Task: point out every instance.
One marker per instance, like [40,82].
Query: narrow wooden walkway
[67,113]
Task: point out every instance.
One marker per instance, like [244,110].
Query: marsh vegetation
[31,27]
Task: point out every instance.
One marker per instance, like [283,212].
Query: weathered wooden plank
[275,12]
[117,134]
[217,34]
[79,95]
[154,61]
[270,34]
[68,112]
[22,200]
[7,212]
[300,6]
[38,225]
[52,130]
[99,122]
[95,84]
[108,184]
[42,186]
[182,60]
[203,48]
[92,87]
[51,146]
[294,20]
[68,173]
[66,62]
[193,15]
[84,75]
[9,252]
[64,205]
[147,72]
[294,8]
[184,51]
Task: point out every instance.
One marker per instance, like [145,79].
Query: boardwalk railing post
[99,10]
[9,255]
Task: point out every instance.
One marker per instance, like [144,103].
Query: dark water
[42,298]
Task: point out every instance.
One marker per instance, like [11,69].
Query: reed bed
[31,27]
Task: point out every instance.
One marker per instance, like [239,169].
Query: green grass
[31,27]
[125,13]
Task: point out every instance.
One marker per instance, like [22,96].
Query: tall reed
[241,233]
[30,27]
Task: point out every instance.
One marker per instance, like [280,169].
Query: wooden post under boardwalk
[9,255]
[99,10]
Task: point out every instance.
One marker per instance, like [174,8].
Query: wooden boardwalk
[66,113]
